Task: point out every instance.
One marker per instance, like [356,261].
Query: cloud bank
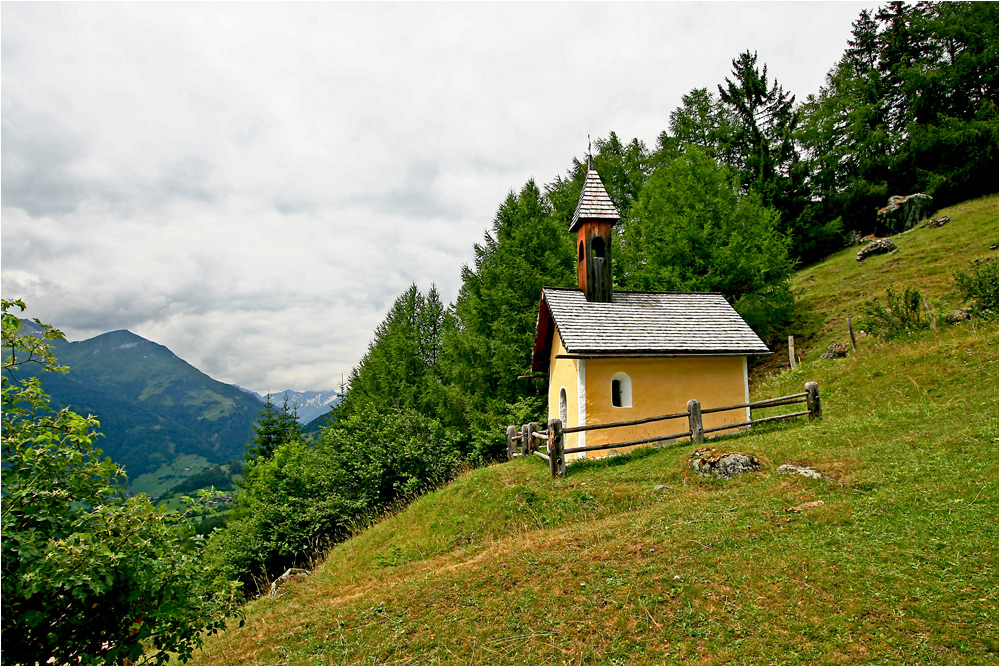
[252,185]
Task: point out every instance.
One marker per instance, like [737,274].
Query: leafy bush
[303,499]
[693,229]
[979,286]
[901,314]
[89,576]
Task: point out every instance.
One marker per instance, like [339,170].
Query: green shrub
[902,313]
[978,287]
[297,503]
[90,576]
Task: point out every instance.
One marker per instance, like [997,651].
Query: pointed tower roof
[594,204]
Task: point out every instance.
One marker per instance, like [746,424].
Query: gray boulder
[902,213]
[959,315]
[725,465]
[876,247]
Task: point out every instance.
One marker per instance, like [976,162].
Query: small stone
[835,351]
[938,222]
[661,488]
[959,315]
[805,471]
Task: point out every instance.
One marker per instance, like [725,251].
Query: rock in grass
[805,471]
[835,351]
[724,465]
[876,247]
[902,213]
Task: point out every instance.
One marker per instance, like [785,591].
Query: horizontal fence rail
[634,422]
[528,440]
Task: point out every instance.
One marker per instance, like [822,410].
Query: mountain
[309,404]
[153,406]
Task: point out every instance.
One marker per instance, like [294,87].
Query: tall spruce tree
[760,141]
[497,306]
[911,106]
[397,371]
[275,426]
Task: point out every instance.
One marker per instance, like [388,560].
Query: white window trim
[625,382]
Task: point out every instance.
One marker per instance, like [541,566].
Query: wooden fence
[527,441]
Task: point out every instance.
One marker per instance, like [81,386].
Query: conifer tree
[274,426]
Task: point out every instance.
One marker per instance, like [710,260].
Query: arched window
[580,251]
[563,411]
[621,390]
[597,245]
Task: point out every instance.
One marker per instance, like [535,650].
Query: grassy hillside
[638,560]
[927,259]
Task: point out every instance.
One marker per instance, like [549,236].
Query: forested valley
[747,183]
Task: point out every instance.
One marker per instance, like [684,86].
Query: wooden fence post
[557,455]
[694,422]
[850,330]
[812,401]
[511,441]
[791,351]
[526,440]
[535,442]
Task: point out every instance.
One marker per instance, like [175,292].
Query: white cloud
[253,184]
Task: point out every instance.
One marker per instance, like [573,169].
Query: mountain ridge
[153,406]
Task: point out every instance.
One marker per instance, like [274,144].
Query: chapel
[622,356]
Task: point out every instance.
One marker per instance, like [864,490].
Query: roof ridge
[579,289]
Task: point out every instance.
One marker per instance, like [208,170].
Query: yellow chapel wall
[564,374]
[662,386]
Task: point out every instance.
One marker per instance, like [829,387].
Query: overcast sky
[252,185]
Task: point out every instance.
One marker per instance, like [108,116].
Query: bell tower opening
[598,246]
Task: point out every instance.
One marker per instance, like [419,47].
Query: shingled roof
[594,203]
[642,324]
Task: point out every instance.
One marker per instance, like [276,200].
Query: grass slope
[898,565]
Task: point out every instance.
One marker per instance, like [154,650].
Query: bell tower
[593,219]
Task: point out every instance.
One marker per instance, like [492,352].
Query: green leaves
[302,499]
[88,576]
[910,107]
[692,230]
[900,314]
[980,286]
